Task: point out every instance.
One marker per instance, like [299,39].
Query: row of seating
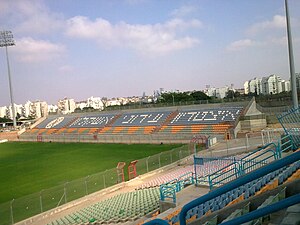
[195,129]
[203,171]
[125,130]
[118,209]
[256,187]
[53,131]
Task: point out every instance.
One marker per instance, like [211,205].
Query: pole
[173,99]
[86,186]
[11,211]
[65,191]
[10,90]
[291,58]
[41,201]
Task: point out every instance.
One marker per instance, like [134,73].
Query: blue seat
[200,213]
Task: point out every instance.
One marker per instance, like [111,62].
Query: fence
[126,139]
[290,121]
[33,204]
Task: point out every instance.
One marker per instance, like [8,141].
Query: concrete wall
[254,124]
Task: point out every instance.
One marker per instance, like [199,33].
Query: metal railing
[290,122]
[220,177]
[117,138]
[250,162]
[286,143]
[169,189]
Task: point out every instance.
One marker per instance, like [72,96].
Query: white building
[66,106]
[113,102]
[246,87]
[217,92]
[81,105]
[18,110]
[52,108]
[3,111]
[35,109]
[95,102]
[272,84]
[286,85]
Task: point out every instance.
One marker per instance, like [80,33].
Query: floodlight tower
[291,57]
[7,39]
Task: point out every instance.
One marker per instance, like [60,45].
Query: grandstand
[174,124]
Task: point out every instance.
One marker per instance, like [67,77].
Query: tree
[230,94]
[104,101]
[18,116]
[199,95]
[5,119]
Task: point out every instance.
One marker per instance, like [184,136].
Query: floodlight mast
[7,39]
[291,58]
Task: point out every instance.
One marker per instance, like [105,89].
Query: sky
[122,48]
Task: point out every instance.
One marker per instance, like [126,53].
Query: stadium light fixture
[7,39]
[291,57]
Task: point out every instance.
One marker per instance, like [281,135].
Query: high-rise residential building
[217,92]
[286,85]
[66,106]
[272,84]
[52,108]
[3,111]
[35,109]
[246,87]
[255,85]
[18,111]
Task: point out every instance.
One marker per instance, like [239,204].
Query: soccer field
[27,168]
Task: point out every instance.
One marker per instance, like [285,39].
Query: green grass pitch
[27,168]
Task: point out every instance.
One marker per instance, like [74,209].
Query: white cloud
[277,21]
[158,38]
[66,69]
[33,51]
[31,17]
[183,11]
[240,45]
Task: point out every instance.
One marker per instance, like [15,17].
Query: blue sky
[115,48]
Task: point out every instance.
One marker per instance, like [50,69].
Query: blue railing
[286,143]
[273,166]
[252,161]
[168,192]
[169,189]
[224,175]
[290,121]
[258,160]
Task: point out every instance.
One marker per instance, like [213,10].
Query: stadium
[218,163]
